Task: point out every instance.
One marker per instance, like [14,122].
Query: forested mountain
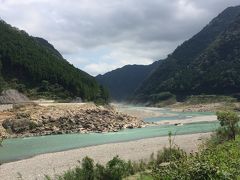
[208,63]
[48,46]
[35,67]
[122,82]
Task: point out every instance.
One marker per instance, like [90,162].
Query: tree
[37,66]
[116,169]
[1,79]
[87,169]
[44,86]
[104,93]
[229,124]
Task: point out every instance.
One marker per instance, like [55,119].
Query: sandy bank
[141,112]
[197,119]
[55,163]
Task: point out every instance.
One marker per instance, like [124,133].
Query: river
[20,148]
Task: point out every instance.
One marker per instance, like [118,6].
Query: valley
[143,105]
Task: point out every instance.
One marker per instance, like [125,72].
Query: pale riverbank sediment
[56,163]
[63,118]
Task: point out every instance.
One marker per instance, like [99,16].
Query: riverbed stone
[39,120]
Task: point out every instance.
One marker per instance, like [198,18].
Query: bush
[116,169]
[99,172]
[169,154]
[87,169]
[229,125]
[219,162]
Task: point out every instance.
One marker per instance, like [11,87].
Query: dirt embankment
[36,120]
[12,96]
[205,107]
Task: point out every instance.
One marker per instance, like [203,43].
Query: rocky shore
[36,120]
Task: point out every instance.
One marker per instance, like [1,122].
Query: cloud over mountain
[98,36]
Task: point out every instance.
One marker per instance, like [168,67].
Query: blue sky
[101,35]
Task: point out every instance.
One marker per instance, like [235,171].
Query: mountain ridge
[123,81]
[33,66]
[177,74]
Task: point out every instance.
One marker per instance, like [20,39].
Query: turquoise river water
[20,148]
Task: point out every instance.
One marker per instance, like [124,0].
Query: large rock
[12,96]
[39,120]
[18,125]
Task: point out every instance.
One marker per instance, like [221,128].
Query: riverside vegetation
[218,158]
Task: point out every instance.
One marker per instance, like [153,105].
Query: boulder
[18,125]
[12,96]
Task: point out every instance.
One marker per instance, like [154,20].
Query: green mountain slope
[48,46]
[206,64]
[33,66]
[122,82]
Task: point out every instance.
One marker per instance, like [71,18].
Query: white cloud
[99,68]
[98,36]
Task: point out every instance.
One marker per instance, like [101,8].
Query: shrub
[87,169]
[116,169]
[220,162]
[169,154]
[229,125]
[99,172]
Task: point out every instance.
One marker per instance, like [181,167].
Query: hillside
[205,64]
[36,68]
[122,82]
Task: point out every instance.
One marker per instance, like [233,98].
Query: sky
[98,36]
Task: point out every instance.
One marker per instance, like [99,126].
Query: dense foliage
[115,169]
[208,63]
[122,82]
[216,162]
[34,67]
[229,122]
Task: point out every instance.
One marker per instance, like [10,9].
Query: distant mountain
[36,68]
[122,82]
[208,63]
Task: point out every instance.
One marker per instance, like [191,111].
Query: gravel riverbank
[56,163]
